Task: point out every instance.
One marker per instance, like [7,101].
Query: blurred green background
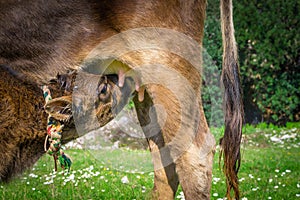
[268,35]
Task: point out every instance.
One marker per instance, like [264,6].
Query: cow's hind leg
[194,168]
[165,177]
[191,155]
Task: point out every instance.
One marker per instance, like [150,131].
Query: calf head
[102,101]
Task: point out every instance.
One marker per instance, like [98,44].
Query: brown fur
[22,125]
[40,39]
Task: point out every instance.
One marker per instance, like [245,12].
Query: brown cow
[39,39]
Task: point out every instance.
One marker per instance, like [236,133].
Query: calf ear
[60,108]
[66,80]
[108,91]
[122,95]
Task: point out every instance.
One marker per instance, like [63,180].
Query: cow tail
[233,105]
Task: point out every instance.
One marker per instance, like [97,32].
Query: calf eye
[102,89]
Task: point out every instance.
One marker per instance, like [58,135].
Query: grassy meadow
[270,170]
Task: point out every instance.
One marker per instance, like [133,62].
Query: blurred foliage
[267,34]
[211,91]
[212,59]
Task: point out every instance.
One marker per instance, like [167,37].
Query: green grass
[270,170]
